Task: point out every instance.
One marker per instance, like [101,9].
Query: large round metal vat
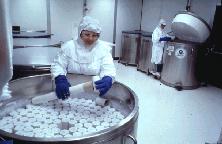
[130,44]
[179,65]
[144,61]
[121,98]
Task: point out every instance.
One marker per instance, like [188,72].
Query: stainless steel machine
[144,60]
[130,44]
[179,61]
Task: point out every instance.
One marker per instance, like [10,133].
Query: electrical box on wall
[217,30]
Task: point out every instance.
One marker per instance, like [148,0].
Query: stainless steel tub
[121,97]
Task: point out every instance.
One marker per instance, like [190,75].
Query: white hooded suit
[75,57]
[157,48]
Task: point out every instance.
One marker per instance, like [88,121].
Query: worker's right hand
[62,87]
[165,39]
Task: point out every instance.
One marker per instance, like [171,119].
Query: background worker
[159,38]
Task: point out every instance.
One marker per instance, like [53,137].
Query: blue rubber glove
[62,87]
[104,85]
[6,142]
[165,39]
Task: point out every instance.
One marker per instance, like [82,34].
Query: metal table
[31,34]
[36,42]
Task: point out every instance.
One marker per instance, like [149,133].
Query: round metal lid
[190,27]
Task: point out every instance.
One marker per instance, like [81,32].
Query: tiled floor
[168,116]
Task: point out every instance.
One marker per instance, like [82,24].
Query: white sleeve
[60,64]
[107,66]
[155,36]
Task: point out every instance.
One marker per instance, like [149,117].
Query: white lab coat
[74,57]
[157,48]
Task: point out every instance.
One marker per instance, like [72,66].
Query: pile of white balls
[71,118]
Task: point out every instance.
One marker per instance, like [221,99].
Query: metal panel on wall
[103,10]
[30,15]
[65,18]
[128,18]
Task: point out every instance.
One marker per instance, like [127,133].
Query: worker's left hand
[6,142]
[104,85]
[165,39]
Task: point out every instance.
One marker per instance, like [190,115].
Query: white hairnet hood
[90,24]
[162,21]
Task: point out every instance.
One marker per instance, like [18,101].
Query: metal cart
[130,44]
[144,60]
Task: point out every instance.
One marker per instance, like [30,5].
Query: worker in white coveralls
[159,38]
[87,55]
